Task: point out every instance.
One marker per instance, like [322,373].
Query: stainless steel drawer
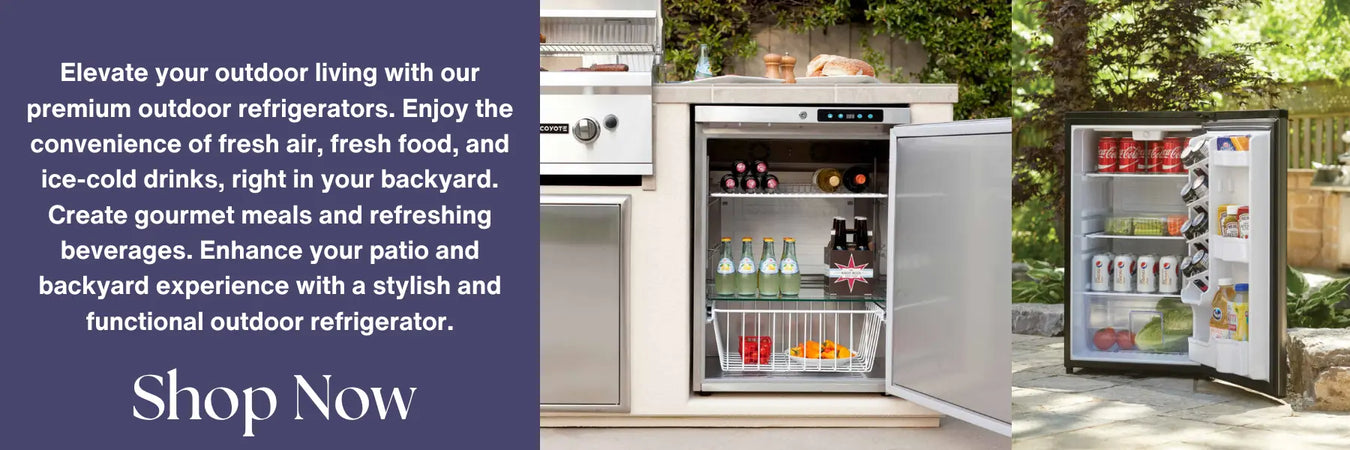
[582,312]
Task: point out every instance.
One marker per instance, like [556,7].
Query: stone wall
[1314,223]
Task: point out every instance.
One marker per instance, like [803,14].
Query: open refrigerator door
[1239,296]
[947,333]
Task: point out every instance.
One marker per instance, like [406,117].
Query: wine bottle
[828,179]
[856,179]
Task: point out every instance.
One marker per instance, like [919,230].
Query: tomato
[1125,339]
[1104,339]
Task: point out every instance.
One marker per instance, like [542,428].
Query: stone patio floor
[1100,409]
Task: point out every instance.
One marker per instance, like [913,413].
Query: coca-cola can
[1146,273]
[1153,162]
[1169,280]
[1101,272]
[1130,159]
[1171,160]
[1107,152]
[1122,273]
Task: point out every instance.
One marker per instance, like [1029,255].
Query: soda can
[1171,160]
[1169,280]
[1101,272]
[1122,273]
[1193,152]
[1107,151]
[1146,273]
[1153,163]
[1130,159]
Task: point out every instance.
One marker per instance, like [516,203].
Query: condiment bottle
[771,62]
[1230,222]
[788,64]
[1244,222]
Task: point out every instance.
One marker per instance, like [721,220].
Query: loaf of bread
[609,67]
[834,65]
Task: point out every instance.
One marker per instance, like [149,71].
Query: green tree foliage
[722,25]
[1309,39]
[1126,55]
[966,40]
[967,43]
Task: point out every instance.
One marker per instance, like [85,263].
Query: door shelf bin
[856,327]
[1230,356]
[1201,352]
[1230,249]
[1230,158]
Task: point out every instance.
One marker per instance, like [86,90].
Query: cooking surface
[884,93]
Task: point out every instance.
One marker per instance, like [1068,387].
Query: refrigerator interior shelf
[1134,357]
[1103,235]
[1231,159]
[810,292]
[798,191]
[771,334]
[1230,249]
[1126,294]
[1157,176]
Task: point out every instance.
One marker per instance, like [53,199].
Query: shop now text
[160,398]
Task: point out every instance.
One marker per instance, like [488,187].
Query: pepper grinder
[785,66]
[771,65]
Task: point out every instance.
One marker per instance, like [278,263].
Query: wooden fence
[1316,138]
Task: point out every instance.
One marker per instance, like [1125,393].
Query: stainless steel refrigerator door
[582,335]
[951,269]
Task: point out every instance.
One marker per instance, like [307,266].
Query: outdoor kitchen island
[660,388]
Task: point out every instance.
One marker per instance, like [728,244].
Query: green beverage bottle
[768,270]
[788,271]
[745,270]
[724,279]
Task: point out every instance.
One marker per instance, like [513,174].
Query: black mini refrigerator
[1175,260]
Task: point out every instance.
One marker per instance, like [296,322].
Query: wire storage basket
[812,337]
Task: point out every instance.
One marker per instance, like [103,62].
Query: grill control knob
[611,122]
[586,130]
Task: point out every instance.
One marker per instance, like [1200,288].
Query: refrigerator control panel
[850,115]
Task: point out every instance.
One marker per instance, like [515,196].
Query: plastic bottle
[724,276]
[1238,314]
[704,68]
[788,270]
[1218,316]
[745,270]
[768,270]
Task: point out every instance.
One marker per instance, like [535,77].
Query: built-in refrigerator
[922,317]
[1134,218]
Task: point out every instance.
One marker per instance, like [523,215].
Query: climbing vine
[966,41]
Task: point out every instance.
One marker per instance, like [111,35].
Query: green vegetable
[1148,226]
[1170,303]
[1120,226]
[1152,339]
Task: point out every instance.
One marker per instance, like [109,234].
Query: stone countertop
[881,93]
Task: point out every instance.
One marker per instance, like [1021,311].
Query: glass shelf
[1138,175]
[811,291]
